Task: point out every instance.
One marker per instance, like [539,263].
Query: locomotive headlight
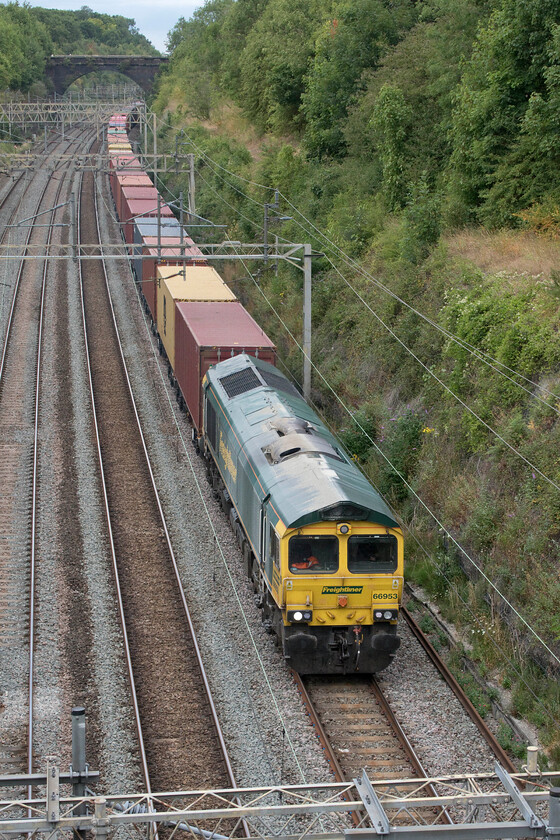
[385,615]
[300,616]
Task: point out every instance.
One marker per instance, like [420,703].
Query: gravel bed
[252,688]
[443,735]
[80,657]
[16,474]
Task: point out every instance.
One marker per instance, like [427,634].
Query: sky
[154,18]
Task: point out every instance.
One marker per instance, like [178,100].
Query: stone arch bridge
[62,70]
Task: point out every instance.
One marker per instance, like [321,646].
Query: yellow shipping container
[119,147]
[200,283]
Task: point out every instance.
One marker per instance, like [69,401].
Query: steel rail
[173,559]
[330,754]
[415,762]
[34,495]
[451,681]
[328,749]
[120,605]
[36,420]
[165,529]
[26,248]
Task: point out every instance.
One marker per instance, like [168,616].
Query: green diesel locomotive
[323,550]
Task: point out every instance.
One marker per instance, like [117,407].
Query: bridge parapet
[62,70]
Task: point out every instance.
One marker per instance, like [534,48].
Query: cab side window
[274,547]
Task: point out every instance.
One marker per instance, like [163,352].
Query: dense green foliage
[388,124]
[84,31]
[24,46]
[29,35]
[461,95]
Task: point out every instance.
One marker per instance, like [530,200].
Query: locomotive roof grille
[288,425]
[295,442]
[279,383]
[239,382]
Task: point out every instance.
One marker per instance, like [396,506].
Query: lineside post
[554,812]
[192,206]
[182,222]
[53,791]
[159,225]
[101,822]
[74,241]
[307,321]
[155,150]
[79,766]
[145,116]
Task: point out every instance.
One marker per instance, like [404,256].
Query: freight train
[323,551]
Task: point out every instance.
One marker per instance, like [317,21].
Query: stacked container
[147,226]
[122,163]
[208,333]
[194,283]
[146,269]
[136,179]
[136,207]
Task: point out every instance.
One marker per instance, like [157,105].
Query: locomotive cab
[341,591]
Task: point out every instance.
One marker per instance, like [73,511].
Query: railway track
[20,453]
[359,731]
[178,733]
[442,669]
[20,387]
[357,728]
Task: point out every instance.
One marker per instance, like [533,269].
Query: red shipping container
[207,333]
[129,192]
[140,207]
[123,164]
[165,240]
[138,252]
[170,250]
[190,249]
[135,179]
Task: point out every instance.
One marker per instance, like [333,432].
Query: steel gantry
[28,114]
[479,806]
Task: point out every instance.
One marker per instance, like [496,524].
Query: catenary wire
[480,354]
[421,546]
[428,370]
[475,618]
[323,239]
[405,482]
[378,449]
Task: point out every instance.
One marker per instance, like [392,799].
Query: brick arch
[62,70]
